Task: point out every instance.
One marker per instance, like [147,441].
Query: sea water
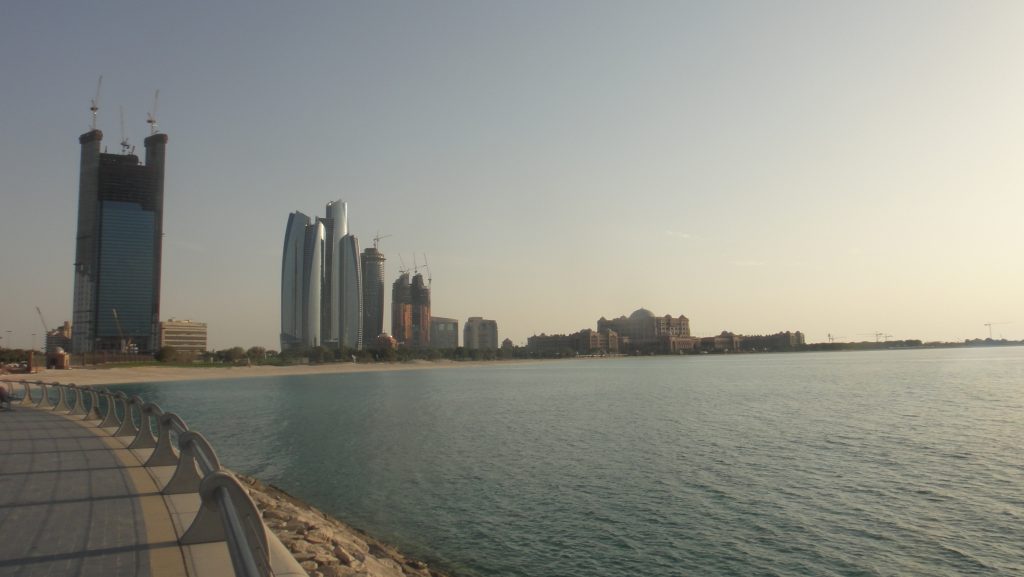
[856,463]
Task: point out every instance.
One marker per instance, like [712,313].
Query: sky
[835,168]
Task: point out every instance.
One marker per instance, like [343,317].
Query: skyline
[828,169]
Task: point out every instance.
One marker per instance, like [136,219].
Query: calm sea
[866,463]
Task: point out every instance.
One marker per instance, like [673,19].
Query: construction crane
[404,269]
[124,139]
[989,325]
[377,239]
[426,265]
[94,104]
[126,344]
[42,320]
[151,117]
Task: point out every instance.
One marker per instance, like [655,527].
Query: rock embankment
[326,547]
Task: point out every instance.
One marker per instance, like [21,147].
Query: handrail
[227,512]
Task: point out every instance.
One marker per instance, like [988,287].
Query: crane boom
[126,344]
[42,320]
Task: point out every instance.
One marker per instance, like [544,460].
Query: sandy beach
[113,375]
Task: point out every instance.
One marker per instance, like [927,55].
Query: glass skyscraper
[321,282]
[118,248]
[302,275]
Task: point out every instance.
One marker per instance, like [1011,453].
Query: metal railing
[226,513]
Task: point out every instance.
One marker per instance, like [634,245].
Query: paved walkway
[75,502]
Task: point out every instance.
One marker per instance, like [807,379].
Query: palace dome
[641,313]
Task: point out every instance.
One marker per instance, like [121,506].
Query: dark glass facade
[118,247]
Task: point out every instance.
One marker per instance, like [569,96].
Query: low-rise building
[480,333]
[444,333]
[186,336]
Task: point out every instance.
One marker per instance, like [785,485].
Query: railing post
[27,399]
[44,399]
[127,428]
[164,453]
[187,477]
[94,406]
[79,406]
[62,401]
[228,514]
[145,438]
[110,418]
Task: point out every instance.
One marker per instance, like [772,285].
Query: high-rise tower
[335,228]
[350,293]
[373,293]
[420,313]
[302,279]
[401,309]
[321,282]
[118,247]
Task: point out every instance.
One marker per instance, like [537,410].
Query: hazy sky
[828,167]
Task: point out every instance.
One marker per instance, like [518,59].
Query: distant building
[444,333]
[420,314]
[479,333]
[401,309]
[350,293]
[784,341]
[584,342]
[507,348]
[373,294]
[301,282]
[646,332]
[724,343]
[118,247]
[321,282]
[59,338]
[410,311]
[187,337]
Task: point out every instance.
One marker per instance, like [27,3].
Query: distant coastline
[114,375]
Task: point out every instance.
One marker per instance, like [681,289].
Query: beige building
[645,332]
[187,337]
[480,333]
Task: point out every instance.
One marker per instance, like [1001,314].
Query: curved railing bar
[62,401]
[164,453]
[227,513]
[127,428]
[44,399]
[148,412]
[79,406]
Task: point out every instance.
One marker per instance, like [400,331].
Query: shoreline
[325,546]
[114,375]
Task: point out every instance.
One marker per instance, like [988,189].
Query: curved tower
[292,285]
[314,274]
[335,227]
[350,294]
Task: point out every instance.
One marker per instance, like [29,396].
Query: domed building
[643,331]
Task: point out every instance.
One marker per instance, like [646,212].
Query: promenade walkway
[76,501]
